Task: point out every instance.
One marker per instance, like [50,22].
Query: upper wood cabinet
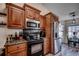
[31,12]
[15,16]
[42,22]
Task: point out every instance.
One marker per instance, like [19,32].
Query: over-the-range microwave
[31,23]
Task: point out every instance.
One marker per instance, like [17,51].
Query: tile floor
[69,51]
[66,51]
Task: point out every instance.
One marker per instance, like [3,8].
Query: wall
[4,31]
[2,7]
[65,34]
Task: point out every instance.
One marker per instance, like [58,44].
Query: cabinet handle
[17,47]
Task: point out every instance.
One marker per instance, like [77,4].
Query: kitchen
[22,19]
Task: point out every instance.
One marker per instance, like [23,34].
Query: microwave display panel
[31,24]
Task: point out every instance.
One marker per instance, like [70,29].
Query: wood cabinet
[50,19]
[23,53]
[48,35]
[16,49]
[31,12]
[46,46]
[42,22]
[15,16]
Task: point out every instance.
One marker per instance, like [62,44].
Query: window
[72,29]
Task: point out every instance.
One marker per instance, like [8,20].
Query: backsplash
[4,31]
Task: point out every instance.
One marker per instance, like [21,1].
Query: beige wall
[4,31]
[2,6]
[65,34]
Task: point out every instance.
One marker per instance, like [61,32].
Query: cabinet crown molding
[11,4]
[31,7]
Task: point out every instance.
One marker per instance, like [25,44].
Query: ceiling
[63,9]
[60,9]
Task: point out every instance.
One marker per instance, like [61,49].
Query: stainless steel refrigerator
[57,43]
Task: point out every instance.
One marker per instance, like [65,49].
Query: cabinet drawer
[12,48]
[18,47]
[21,46]
[12,54]
[22,53]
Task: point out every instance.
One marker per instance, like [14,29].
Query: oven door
[36,48]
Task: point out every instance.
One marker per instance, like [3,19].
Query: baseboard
[46,53]
[58,52]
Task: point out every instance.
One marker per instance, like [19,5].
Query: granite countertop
[15,42]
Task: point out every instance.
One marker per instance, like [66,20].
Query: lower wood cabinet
[16,50]
[21,53]
[46,46]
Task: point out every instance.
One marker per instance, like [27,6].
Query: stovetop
[35,41]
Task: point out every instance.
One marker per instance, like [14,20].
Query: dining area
[71,48]
[73,37]
[74,41]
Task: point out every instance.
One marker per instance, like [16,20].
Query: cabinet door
[12,54]
[22,53]
[45,47]
[37,15]
[48,32]
[42,22]
[29,13]
[15,17]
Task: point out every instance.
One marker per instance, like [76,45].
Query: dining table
[74,41]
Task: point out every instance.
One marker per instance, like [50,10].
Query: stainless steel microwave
[31,23]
